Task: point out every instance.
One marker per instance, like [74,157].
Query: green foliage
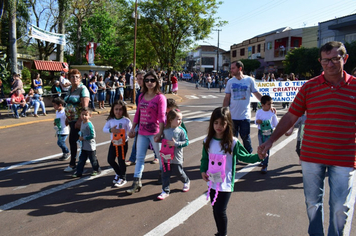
[26,75]
[303,61]
[351,62]
[171,25]
[4,72]
[250,65]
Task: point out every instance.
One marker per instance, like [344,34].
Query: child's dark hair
[265,99]
[86,109]
[124,110]
[59,101]
[172,114]
[92,79]
[224,114]
[171,103]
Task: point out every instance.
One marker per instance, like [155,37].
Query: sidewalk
[7,121]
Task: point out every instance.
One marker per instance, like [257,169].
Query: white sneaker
[163,195]
[69,169]
[120,183]
[186,187]
[115,180]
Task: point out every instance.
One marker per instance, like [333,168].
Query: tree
[12,33]
[250,65]
[63,7]
[81,10]
[303,61]
[351,62]
[171,25]
[45,11]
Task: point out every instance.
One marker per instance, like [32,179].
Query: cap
[62,72]
[91,71]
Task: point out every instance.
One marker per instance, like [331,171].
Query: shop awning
[51,65]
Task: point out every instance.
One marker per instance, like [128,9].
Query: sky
[246,19]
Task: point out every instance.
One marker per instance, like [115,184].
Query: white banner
[38,33]
[281,91]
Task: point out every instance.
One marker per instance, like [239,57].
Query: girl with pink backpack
[220,153]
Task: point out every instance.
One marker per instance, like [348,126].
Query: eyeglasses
[334,60]
[75,76]
[150,80]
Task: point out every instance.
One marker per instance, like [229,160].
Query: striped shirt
[329,132]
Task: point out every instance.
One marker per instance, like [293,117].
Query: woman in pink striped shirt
[150,115]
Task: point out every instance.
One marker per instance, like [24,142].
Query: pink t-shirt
[150,113]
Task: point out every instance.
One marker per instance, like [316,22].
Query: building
[204,59]
[340,29]
[253,48]
[280,43]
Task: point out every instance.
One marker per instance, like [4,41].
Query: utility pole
[217,52]
[134,62]
[12,35]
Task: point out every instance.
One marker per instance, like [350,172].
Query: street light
[217,53]
[134,15]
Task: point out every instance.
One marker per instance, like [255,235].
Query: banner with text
[280,91]
[41,34]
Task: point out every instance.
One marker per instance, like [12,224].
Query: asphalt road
[38,198]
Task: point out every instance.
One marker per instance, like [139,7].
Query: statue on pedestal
[90,51]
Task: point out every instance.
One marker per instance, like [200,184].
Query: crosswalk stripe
[192,113]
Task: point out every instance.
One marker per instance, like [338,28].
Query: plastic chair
[10,112]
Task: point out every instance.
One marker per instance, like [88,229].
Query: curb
[129,108]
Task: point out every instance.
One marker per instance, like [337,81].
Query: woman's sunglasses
[150,80]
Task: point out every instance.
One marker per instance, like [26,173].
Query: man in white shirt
[237,97]
[64,83]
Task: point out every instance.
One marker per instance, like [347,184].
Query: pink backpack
[166,153]
[216,172]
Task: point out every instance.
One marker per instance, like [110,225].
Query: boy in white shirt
[266,121]
[61,127]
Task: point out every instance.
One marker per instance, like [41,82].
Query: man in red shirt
[18,101]
[329,140]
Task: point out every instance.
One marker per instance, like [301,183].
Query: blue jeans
[134,147]
[36,105]
[15,107]
[92,97]
[243,127]
[143,141]
[112,97]
[341,204]
[101,96]
[261,140]
[62,142]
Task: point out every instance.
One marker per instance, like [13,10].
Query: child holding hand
[221,150]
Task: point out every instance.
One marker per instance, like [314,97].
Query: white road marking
[201,201]
[201,115]
[68,185]
[192,113]
[191,97]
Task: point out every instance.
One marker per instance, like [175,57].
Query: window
[253,49]
[259,48]
[349,38]
[326,40]
[234,53]
[207,61]
[269,45]
[296,43]
[242,52]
